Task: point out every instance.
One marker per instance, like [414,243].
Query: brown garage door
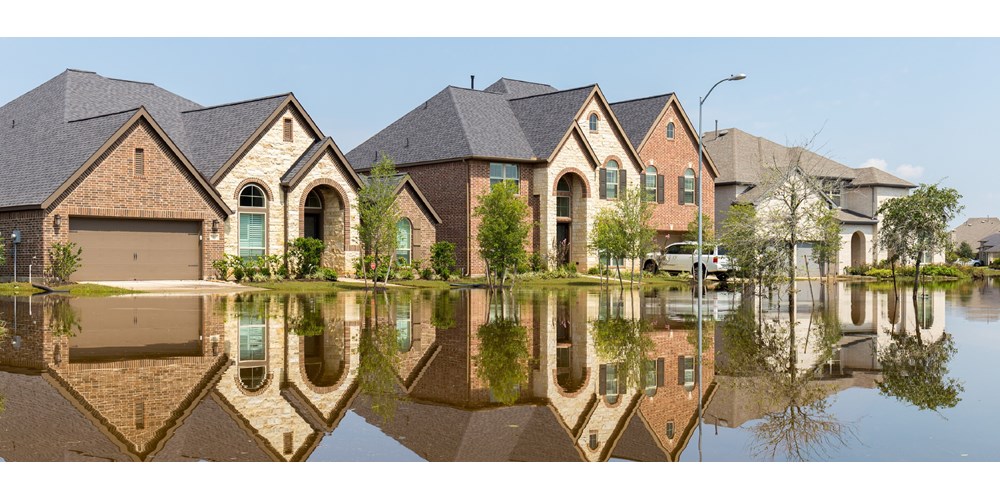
[136,249]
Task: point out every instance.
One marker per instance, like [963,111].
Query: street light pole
[699,266]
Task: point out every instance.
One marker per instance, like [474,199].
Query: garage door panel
[136,249]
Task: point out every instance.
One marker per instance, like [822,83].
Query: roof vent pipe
[472,83]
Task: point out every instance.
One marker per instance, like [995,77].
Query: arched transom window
[670,130]
[593,122]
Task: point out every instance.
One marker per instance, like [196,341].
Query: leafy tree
[443,259]
[625,342]
[503,231]
[916,372]
[502,361]
[707,230]
[64,260]
[607,238]
[915,225]
[379,357]
[308,321]
[624,230]
[965,250]
[379,214]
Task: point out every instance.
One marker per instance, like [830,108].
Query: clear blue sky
[923,108]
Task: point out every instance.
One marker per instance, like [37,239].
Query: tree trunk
[916,280]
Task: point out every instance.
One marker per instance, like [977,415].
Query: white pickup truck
[680,257]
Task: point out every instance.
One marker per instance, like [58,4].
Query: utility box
[15,237]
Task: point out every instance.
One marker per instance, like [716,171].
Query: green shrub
[329,274]
[537,263]
[405,273]
[222,267]
[879,273]
[443,259]
[304,256]
[594,271]
[427,273]
[995,264]
[64,260]
[362,267]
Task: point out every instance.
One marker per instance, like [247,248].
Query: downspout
[468,218]
[284,203]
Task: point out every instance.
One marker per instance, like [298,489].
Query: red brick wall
[446,188]
[166,191]
[30,251]
[671,159]
[424,232]
[479,184]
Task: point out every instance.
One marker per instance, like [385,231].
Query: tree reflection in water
[502,361]
[379,356]
[623,342]
[915,371]
[762,356]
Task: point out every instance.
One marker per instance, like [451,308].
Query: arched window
[612,180]
[650,183]
[253,221]
[670,131]
[689,186]
[562,198]
[403,240]
[593,122]
[313,200]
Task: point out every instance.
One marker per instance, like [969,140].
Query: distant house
[744,161]
[989,248]
[974,230]
[155,186]
[569,152]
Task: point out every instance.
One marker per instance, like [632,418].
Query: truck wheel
[649,267]
[694,272]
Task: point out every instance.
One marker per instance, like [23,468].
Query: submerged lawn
[76,290]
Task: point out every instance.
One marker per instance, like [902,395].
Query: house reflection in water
[270,376]
[864,317]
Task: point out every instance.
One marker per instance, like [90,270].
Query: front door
[562,241]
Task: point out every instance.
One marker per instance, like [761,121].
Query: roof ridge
[80,71]
[127,81]
[592,85]
[238,102]
[483,91]
[104,115]
[465,129]
[525,81]
[642,98]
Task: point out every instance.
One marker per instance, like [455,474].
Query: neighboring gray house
[989,248]
[743,161]
[975,230]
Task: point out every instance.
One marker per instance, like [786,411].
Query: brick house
[746,163]
[567,150]
[154,186]
[667,142]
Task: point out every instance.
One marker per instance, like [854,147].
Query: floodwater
[846,373]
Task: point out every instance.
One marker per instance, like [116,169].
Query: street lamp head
[739,76]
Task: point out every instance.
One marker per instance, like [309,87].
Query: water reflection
[457,375]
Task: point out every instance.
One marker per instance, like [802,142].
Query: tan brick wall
[340,216]
[672,157]
[167,190]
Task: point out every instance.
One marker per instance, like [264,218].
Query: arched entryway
[570,244]
[858,249]
[323,217]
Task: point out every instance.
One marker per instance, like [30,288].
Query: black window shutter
[621,379]
[602,180]
[680,190]
[602,380]
[680,370]
[660,369]
[642,182]
[659,189]
[622,178]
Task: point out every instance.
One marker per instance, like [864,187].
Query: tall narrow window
[611,383]
[689,186]
[650,183]
[500,172]
[253,219]
[404,235]
[562,198]
[593,122]
[404,324]
[687,372]
[140,415]
[140,162]
[252,346]
[287,129]
[670,131]
[612,180]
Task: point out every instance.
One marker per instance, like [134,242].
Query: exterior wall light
[57,222]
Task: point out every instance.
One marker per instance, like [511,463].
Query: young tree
[965,250]
[503,230]
[707,230]
[623,231]
[915,225]
[379,214]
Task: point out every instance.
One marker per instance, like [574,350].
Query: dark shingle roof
[990,242]
[212,135]
[460,123]
[50,131]
[303,160]
[637,115]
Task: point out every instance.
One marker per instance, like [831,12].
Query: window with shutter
[688,187]
[612,182]
[649,183]
[251,235]
[403,240]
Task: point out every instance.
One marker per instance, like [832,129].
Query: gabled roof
[975,229]
[404,181]
[764,189]
[639,116]
[311,156]
[990,242]
[510,120]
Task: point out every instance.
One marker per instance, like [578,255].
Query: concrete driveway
[177,286]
